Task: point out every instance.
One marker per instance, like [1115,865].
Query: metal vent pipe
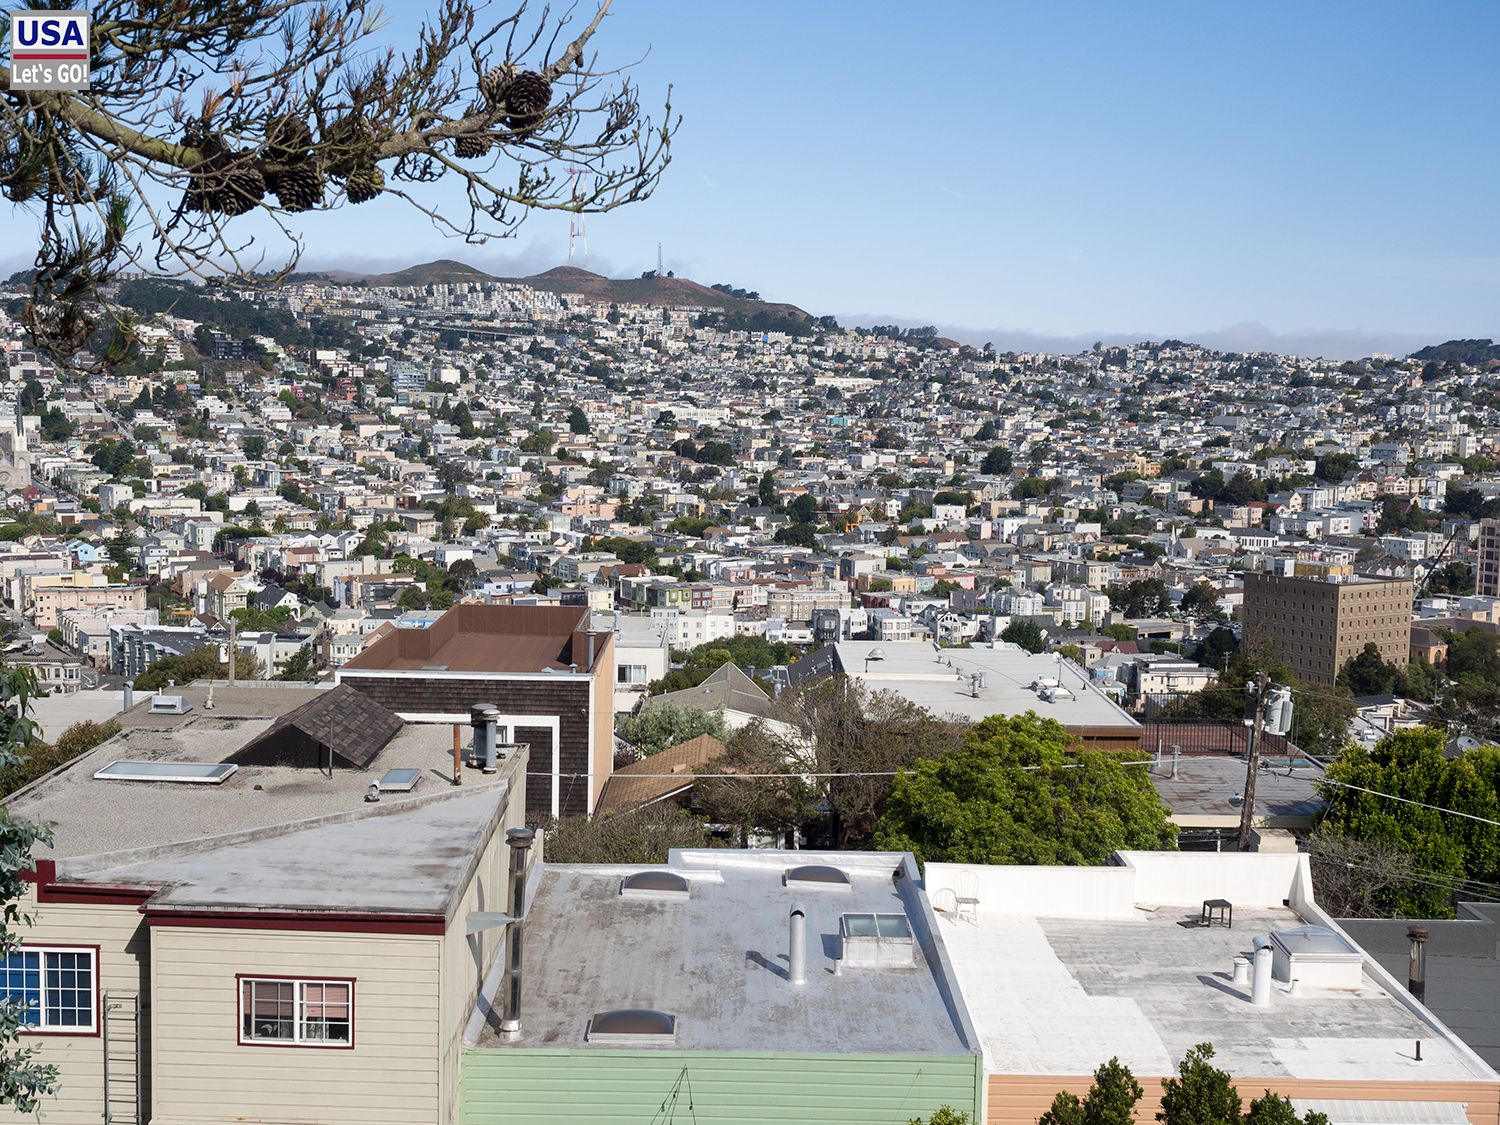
[1416,975]
[491,737]
[797,946]
[519,840]
[1260,987]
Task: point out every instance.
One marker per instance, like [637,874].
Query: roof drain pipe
[796,960]
[519,840]
[1260,986]
[491,737]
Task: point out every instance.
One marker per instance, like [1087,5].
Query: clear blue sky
[1055,168]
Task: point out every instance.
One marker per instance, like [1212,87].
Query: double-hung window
[281,1011]
[56,987]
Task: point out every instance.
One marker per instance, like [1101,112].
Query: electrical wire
[800,774]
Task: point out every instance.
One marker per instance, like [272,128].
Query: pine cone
[471,148]
[288,139]
[494,83]
[364,184]
[299,188]
[526,101]
[241,186]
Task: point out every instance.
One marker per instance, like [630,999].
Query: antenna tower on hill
[578,231]
[659,271]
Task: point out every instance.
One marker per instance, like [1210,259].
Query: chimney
[589,667]
[1260,987]
[491,737]
[1416,975]
[519,840]
[797,946]
[476,721]
[129,699]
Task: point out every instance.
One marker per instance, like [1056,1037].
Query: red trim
[239,1012]
[23,55]
[49,890]
[98,993]
[426,925]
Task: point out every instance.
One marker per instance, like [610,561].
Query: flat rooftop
[94,820]
[718,959]
[1206,791]
[486,638]
[1061,974]
[974,683]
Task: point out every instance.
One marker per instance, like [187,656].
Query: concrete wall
[518,1086]
[1146,878]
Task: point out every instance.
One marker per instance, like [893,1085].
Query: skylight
[400,780]
[817,876]
[654,884]
[631,1027]
[201,773]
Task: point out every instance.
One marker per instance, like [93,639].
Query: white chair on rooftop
[966,896]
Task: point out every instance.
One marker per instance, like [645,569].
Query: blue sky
[1325,174]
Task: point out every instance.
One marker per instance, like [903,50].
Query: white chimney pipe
[797,946]
[1260,988]
[1241,971]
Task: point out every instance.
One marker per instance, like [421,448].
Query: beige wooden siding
[467,959]
[120,934]
[202,1075]
[1021,1099]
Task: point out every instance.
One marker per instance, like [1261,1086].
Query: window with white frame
[632,674]
[310,1013]
[55,986]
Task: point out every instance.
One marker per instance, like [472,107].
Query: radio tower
[659,271]
[578,231]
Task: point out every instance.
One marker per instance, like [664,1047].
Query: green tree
[766,494]
[1201,1094]
[578,421]
[798,535]
[997,462]
[1027,634]
[1219,647]
[412,597]
[1110,1100]
[1445,849]
[201,663]
[1369,674]
[301,665]
[24,1081]
[1201,602]
[254,446]
[1020,790]
[945,1115]
[83,736]
[803,509]
[663,725]
[1143,597]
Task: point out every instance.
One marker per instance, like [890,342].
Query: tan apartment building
[1487,572]
[1318,622]
[270,903]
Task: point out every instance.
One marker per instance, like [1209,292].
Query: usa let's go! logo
[49,50]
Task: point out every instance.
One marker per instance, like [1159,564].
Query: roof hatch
[628,1027]
[654,884]
[817,876]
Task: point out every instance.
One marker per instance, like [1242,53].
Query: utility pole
[1252,762]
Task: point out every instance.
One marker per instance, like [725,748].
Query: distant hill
[1475,352]
[571,279]
[647,291]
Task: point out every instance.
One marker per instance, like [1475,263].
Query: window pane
[23,983]
[325,1013]
[268,1009]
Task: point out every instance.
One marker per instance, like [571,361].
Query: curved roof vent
[631,1027]
[654,884]
[817,876]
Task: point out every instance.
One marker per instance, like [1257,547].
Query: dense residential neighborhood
[380,621]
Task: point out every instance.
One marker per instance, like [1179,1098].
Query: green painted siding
[584,1087]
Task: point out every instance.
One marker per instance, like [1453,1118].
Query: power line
[801,773]
[1404,800]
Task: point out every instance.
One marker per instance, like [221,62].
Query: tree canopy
[1019,789]
[1445,850]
